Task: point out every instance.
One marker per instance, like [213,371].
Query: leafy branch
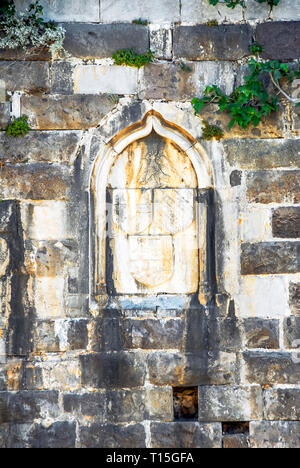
[251,101]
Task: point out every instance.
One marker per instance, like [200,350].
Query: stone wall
[77,370]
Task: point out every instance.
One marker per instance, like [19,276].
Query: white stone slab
[287,10]
[45,221]
[49,297]
[156,11]
[200,12]
[111,79]
[66,10]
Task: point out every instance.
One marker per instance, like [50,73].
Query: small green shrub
[211,131]
[233,3]
[256,48]
[185,67]
[131,58]
[212,23]
[140,21]
[18,127]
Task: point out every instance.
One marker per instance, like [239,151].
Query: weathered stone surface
[45,339]
[291,329]
[202,12]
[236,441]
[275,434]
[230,403]
[102,40]
[159,403]
[40,147]
[270,126]
[201,368]
[186,435]
[49,297]
[68,10]
[34,182]
[4,114]
[66,112]
[4,256]
[60,335]
[278,39]
[112,436]
[286,11]
[295,112]
[62,81]
[286,222]
[107,335]
[24,407]
[111,79]
[282,404]
[161,42]
[294,291]
[31,54]
[270,258]
[86,404]
[260,333]
[153,334]
[47,221]
[32,77]
[112,370]
[57,435]
[262,154]
[271,368]
[273,187]
[154,12]
[235,178]
[170,82]
[230,42]
[255,10]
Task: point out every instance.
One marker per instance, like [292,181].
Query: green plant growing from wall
[211,131]
[27,30]
[251,101]
[141,22]
[256,48]
[233,3]
[132,59]
[18,127]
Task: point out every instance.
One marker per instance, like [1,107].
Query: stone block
[153,334]
[170,82]
[56,373]
[282,404]
[99,79]
[45,339]
[154,12]
[271,368]
[126,406]
[49,297]
[22,407]
[121,369]
[31,77]
[102,40]
[46,221]
[34,182]
[4,115]
[202,42]
[112,436]
[62,81]
[291,330]
[230,403]
[286,10]
[236,441]
[179,435]
[91,405]
[294,297]
[270,258]
[161,42]
[66,112]
[201,368]
[255,224]
[57,435]
[256,11]
[30,54]
[68,10]
[4,257]
[261,333]
[286,222]
[262,154]
[275,434]
[159,403]
[50,147]
[278,38]
[200,11]
[106,334]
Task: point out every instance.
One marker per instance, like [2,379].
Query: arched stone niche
[153,220]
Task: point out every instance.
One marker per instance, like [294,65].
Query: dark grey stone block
[271,368]
[286,222]
[273,187]
[275,434]
[179,435]
[278,39]
[291,329]
[22,407]
[282,404]
[112,436]
[261,333]
[270,258]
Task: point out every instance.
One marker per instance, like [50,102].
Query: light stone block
[156,11]
[49,297]
[257,11]
[200,11]
[263,297]
[161,42]
[4,256]
[208,73]
[255,225]
[2,348]
[66,10]
[98,79]
[287,10]
[2,91]
[45,221]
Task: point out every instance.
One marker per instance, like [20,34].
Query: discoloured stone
[34,182]
[111,79]
[186,435]
[161,42]
[291,329]
[68,10]
[102,40]
[262,154]
[24,407]
[32,77]
[295,298]
[155,12]
[236,441]
[31,54]
[270,258]
[201,11]
[153,334]
[112,436]
[282,404]
[86,404]
[286,222]
[40,147]
[62,81]
[4,256]
[46,221]
[230,42]
[275,434]
[4,115]
[260,333]
[230,403]
[271,368]
[278,39]
[66,112]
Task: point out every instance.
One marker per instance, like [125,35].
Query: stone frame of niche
[205,202]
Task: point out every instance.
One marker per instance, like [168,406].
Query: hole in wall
[185,403]
[229,428]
